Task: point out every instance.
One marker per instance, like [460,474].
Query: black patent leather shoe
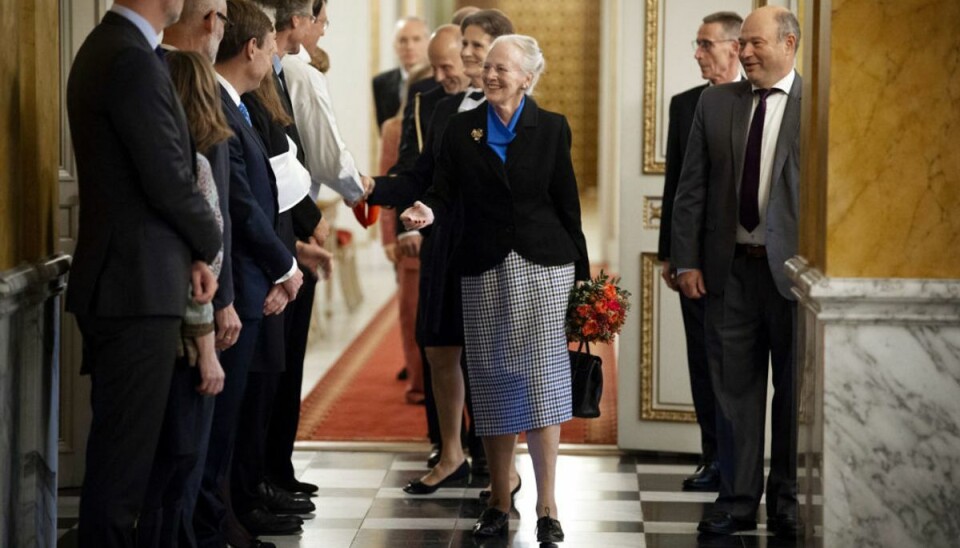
[549,530]
[417,487]
[262,522]
[722,523]
[434,458]
[492,523]
[295,487]
[785,526]
[280,501]
[706,478]
[486,493]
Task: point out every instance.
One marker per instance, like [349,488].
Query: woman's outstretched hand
[417,216]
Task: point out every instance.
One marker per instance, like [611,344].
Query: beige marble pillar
[878,280]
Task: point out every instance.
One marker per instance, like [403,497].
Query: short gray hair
[531,57]
[787,24]
[730,21]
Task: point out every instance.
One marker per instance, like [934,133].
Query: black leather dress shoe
[785,526]
[486,493]
[549,530]
[417,487]
[722,523]
[262,522]
[294,487]
[706,478]
[279,501]
[492,522]
[434,456]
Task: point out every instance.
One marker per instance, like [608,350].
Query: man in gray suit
[734,226]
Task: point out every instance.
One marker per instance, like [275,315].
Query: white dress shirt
[329,161]
[468,103]
[776,105]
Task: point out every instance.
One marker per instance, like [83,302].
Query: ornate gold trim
[651,21]
[652,212]
[648,411]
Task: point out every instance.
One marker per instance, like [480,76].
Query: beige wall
[569,35]
[887,186]
[29,140]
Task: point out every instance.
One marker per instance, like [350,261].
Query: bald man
[389,87]
[734,227]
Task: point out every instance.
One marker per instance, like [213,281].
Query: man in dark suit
[734,227]
[389,87]
[265,273]
[145,234]
[167,518]
[716,51]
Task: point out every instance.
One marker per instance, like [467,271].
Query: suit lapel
[479,118]
[739,122]
[241,122]
[788,129]
[526,133]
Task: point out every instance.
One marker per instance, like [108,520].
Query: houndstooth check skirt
[517,358]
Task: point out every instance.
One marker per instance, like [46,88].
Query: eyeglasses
[309,16]
[707,45]
[227,23]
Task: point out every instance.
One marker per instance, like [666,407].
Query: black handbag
[587,382]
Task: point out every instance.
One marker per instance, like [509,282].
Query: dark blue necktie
[245,112]
[750,182]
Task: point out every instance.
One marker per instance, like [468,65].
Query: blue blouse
[499,135]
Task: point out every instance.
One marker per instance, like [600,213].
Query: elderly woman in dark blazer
[507,164]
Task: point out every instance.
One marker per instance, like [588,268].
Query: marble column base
[880,408]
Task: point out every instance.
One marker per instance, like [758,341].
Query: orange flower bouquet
[597,310]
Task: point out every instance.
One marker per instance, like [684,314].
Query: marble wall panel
[891,435]
[880,408]
[893,166]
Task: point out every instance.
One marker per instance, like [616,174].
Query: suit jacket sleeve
[566,199]
[305,216]
[219,156]
[671,178]
[690,203]
[248,220]
[409,141]
[144,99]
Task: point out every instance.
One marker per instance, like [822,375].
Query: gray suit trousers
[749,326]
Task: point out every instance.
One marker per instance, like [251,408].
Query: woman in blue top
[507,164]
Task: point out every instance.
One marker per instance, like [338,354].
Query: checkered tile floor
[605,501]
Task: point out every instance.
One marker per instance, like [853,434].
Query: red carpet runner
[360,399]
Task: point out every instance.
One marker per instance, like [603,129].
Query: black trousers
[130,361]
[211,508]
[750,326]
[285,418]
[704,401]
[247,471]
[167,516]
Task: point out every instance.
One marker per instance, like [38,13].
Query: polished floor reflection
[605,501]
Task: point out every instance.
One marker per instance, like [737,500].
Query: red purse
[366,214]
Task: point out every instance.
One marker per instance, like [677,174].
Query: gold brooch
[477,134]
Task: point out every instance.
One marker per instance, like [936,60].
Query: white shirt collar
[784,85]
[736,78]
[231,91]
[140,22]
